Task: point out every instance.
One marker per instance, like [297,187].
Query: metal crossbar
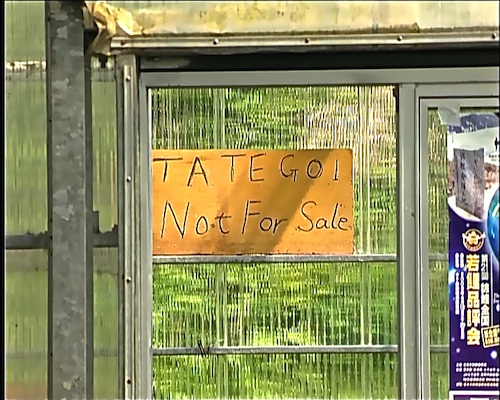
[244,350]
[265,258]
[38,241]
[33,354]
[32,241]
[259,350]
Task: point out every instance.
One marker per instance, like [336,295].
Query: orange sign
[231,202]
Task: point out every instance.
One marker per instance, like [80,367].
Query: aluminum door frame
[135,208]
[429,97]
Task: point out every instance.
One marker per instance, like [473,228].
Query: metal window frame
[287,258]
[241,42]
[413,227]
[166,79]
[135,235]
[408,234]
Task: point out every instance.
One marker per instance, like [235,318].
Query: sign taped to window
[233,202]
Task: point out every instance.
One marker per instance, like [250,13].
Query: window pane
[440,384]
[332,376]
[24,31]
[438,243]
[104,145]
[26,324]
[439,308]
[26,168]
[106,309]
[25,123]
[274,304]
[359,118]
[285,303]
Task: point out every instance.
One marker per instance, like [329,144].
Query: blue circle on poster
[492,224]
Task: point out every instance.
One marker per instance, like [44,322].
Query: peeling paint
[65,212]
[72,134]
[67,385]
[74,53]
[60,17]
[62,32]
[61,196]
[61,85]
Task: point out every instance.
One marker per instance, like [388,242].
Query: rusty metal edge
[299,42]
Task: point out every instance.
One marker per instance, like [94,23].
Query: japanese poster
[473,185]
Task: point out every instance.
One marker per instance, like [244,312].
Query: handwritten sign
[230,202]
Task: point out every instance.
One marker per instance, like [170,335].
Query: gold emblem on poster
[473,239]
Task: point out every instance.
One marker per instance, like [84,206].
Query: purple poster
[474,279]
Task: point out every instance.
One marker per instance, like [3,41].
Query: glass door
[211,326]
[264,327]
[459,177]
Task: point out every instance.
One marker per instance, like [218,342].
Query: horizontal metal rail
[261,350]
[239,43]
[27,241]
[271,258]
[240,350]
[32,241]
[40,241]
[23,354]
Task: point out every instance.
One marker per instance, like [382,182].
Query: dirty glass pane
[26,324]
[26,205]
[26,208]
[106,323]
[438,244]
[288,303]
[332,376]
[439,302]
[106,307]
[440,384]
[104,144]
[25,141]
[25,153]
[26,172]
[312,16]
[359,118]
[24,31]
[274,304]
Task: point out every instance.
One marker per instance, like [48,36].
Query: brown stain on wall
[304,16]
